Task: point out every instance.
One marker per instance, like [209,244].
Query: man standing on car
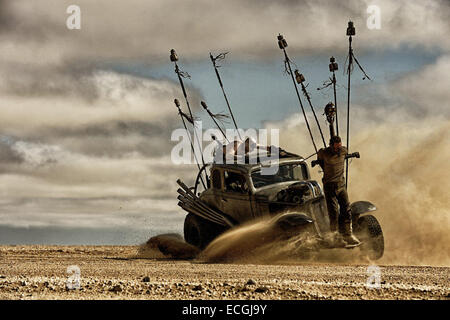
[332,160]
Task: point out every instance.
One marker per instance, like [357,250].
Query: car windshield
[286,172]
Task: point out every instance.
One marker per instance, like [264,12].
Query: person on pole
[332,161]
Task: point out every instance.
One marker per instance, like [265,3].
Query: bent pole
[174,59]
[348,109]
[283,44]
[182,116]
[205,106]
[351,57]
[350,33]
[213,60]
[301,79]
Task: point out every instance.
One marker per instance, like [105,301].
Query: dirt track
[114,272]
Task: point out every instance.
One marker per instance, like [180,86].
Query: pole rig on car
[216,69]
[350,32]
[181,74]
[333,66]
[300,79]
[282,44]
[214,116]
[190,120]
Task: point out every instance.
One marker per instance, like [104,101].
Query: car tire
[370,233]
[200,232]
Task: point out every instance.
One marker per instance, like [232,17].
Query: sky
[86,115]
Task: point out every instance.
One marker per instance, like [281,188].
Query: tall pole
[213,60]
[182,116]
[301,79]
[350,33]
[174,59]
[283,44]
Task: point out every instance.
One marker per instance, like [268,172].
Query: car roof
[247,168]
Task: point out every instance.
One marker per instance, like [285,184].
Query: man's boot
[348,236]
[333,225]
[336,237]
[338,241]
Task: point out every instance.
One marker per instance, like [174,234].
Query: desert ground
[122,272]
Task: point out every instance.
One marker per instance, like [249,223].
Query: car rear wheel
[200,232]
[370,233]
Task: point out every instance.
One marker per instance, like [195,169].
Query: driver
[332,160]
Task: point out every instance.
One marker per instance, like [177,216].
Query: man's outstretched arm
[352,155]
[319,160]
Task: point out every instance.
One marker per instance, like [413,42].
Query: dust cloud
[404,170]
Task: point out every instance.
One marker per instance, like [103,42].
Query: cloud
[427,90]
[101,97]
[77,147]
[104,113]
[149,29]
[47,185]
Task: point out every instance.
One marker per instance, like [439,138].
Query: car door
[216,190]
[235,200]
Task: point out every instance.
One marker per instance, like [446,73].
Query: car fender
[292,220]
[361,207]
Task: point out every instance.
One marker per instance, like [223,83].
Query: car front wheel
[370,233]
[200,232]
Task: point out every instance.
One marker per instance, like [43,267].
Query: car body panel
[253,203]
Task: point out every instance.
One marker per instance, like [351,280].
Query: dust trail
[257,241]
[260,242]
[167,246]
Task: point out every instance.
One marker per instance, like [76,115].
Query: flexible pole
[204,105]
[213,60]
[350,61]
[177,104]
[177,71]
[299,99]
[314,113]
[335,103]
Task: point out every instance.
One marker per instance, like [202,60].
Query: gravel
[115,272]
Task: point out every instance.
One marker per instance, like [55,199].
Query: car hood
[270,192]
